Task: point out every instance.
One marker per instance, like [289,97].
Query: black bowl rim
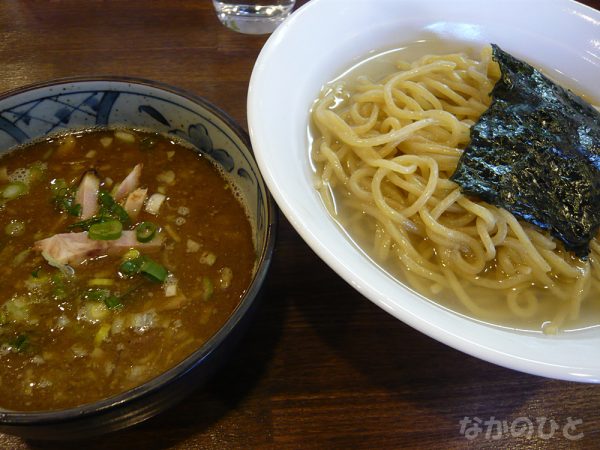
[88,410]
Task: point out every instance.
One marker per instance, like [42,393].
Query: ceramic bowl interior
[323,39]
[54,107]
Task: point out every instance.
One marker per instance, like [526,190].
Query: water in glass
[253,17]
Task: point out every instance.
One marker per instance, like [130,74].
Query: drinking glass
[253,16]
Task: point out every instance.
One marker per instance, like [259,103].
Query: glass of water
[253,16]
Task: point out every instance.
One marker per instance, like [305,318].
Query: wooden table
[321,366]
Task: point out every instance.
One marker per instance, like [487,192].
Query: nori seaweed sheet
[536,153]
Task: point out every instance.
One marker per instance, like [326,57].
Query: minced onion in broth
[96,326]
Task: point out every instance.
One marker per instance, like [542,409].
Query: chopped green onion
[146,266]
[36,273]
[110,300]
[208,288]
[64,197]
[59,291]
[14,190]
[145,231]
[17,309]
[110,211]
[73,209]
[58,186]
[105,231]
[36,171]
[86,224]
[20,343]
[130,267]
[113,302]
[15,228]
[109,207]
[101,282]
[132,253]
[105,199]
[3,318]
[154,271]
[102,334]
[97,295]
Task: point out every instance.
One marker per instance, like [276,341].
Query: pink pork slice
[74,248]
[129,184]
[135,202]
[87,195]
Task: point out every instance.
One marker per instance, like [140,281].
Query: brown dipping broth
[61,344]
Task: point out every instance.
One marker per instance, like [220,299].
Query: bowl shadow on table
[397,364]
[227,388]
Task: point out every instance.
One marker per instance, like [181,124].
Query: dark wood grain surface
[321,366]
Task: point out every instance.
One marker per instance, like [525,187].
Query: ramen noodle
[384,150]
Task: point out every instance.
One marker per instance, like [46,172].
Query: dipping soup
[121,252]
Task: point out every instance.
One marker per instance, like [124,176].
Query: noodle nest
[384,152]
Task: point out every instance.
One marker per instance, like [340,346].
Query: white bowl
[325,37]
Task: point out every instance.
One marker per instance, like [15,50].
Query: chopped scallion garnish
[146,266]
[105,231]
[208,288]
[109,207]
[14,190]
[154,271]
[113,302]
[101,282]
[20,343]
[59,288]
[132,253]
[15,228]
[145,231]
[104,295]
[131,267]
[97,295]
[86,224]
[64,197]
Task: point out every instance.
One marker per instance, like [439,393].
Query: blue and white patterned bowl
[72,104]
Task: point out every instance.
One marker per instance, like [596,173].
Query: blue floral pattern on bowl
[79,104]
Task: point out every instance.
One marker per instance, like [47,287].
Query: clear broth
[360,230]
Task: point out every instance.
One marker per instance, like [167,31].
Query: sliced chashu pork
[87,195]
[129,184]
[135,202]
[74,248]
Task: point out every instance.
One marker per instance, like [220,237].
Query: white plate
[325,37]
